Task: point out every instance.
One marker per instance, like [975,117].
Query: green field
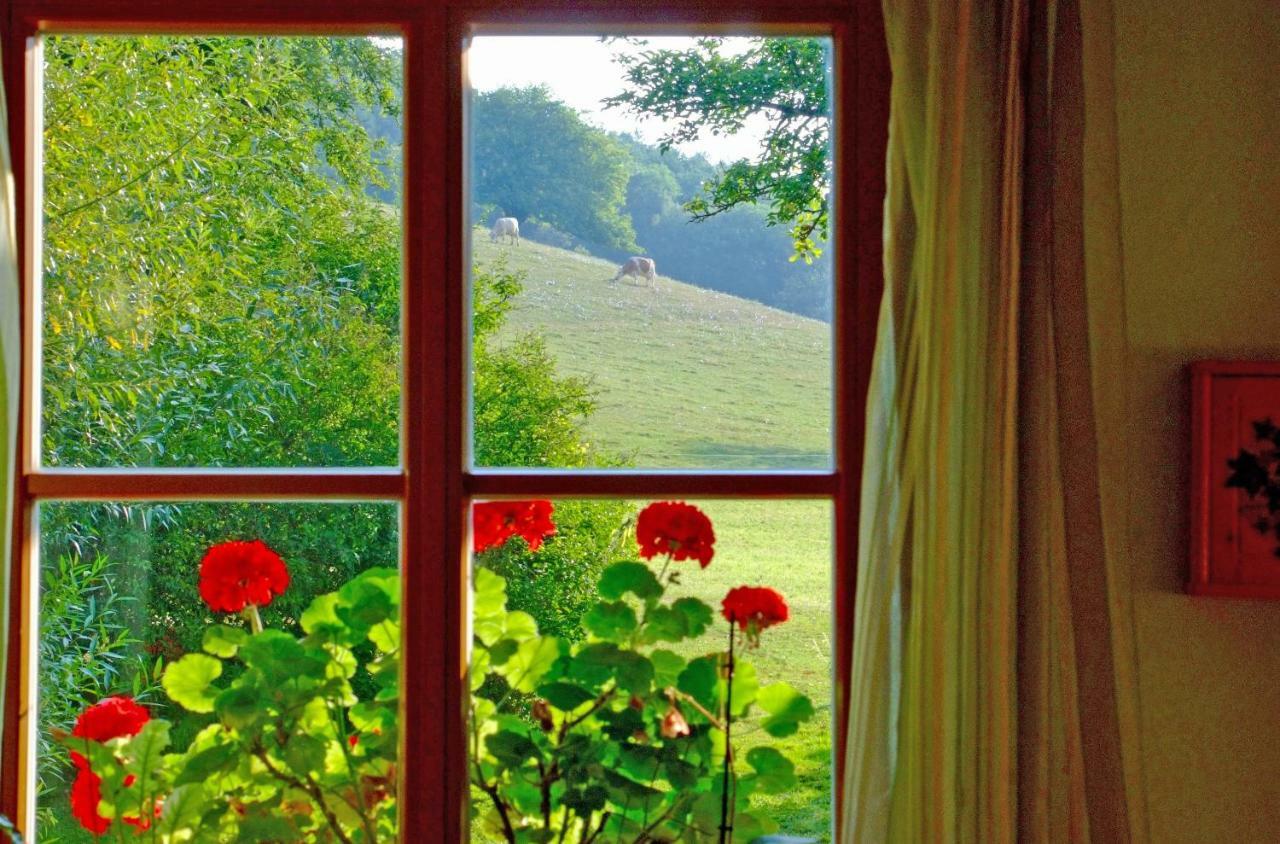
[687,377]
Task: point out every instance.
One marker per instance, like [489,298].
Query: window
[400,492]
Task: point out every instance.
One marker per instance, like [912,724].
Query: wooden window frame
[434,484]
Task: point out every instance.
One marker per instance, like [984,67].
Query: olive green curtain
[989,697]
[9,382]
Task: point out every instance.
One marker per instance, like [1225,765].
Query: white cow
[505,227]
[638,267]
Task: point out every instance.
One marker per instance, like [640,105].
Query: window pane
[221,251]
[609,670]
[148,615]
[652,285]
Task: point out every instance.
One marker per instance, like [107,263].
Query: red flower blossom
[111,717]
[494,522]
[235,574]
[678,529]
[754,608]
[86,791]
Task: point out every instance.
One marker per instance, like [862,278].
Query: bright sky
[580,71]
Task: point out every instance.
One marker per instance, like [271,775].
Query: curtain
[989,688]
[9,375]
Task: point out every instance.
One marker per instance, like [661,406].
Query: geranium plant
[620,737]
[290,752]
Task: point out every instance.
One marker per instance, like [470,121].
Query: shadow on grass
[738,456]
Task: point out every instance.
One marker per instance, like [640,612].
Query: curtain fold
[989,683]
[9,383]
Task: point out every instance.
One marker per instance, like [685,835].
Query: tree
[534,157]
[705,89]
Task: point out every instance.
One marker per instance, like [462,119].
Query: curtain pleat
[990,683]
[932,742]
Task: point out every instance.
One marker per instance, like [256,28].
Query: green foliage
[292,752]
[703,89]
[87,650]
[218,289]
[534,157]
[598,754]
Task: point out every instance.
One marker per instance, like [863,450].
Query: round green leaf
[636,578]
[187,681]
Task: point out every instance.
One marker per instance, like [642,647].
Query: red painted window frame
[435,485]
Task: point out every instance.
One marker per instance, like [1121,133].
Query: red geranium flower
[235,574]
[112,717]
[678,529]
[494,522]
[86,791]
[754,608]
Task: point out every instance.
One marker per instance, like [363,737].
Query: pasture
[687,377]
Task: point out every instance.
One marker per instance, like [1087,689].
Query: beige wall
[1197,89]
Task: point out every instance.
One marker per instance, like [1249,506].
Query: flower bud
[673,724]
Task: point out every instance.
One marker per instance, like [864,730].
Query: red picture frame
[1235,542]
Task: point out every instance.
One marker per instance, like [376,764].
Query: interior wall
[1197,109]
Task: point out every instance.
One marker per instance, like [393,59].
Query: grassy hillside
[688,377]
[685,377]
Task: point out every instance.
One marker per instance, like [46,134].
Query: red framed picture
[1235,479]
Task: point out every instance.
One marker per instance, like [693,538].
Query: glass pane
[221,251]
[652,280]
[255,645]
[608,669]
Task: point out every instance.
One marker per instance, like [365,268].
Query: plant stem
[250,613]
[492,790]
[726,825]
[308,787]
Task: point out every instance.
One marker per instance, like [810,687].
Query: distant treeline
[578,187]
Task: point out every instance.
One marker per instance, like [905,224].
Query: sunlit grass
[684,377]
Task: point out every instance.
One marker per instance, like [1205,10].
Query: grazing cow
[505,227]
[638,267]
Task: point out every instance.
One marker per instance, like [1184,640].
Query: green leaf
[564,696]
[321,614]
[787,709]
[636,578]
[597,662]
[667,666]
[490,596]
[385,636]
[530,661]
[207,763]
[239,708]
[511,748]
[697,615]
[745,686]
[613,621]
[664,624]
[304,753]
[187,681]
[775,773]
[281,658]
[223,640]
[699,680]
